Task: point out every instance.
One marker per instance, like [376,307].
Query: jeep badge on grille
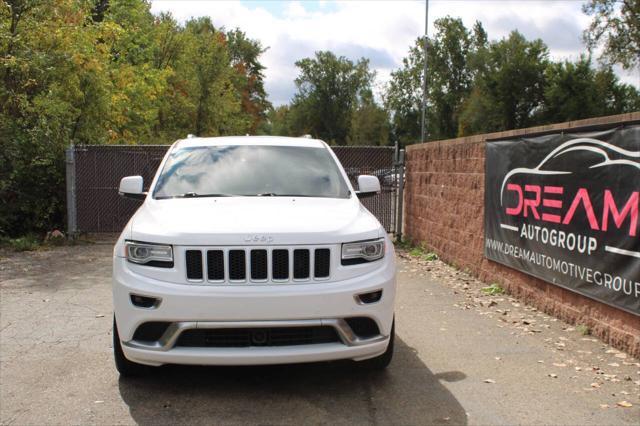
[258,239]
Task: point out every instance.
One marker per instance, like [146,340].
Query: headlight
[362,251]
[149,254]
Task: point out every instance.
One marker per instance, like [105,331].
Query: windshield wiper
[194,195]
[273,194]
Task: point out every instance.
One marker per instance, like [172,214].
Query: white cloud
[379,30]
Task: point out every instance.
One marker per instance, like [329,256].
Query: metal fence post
[70,160]
[400,195]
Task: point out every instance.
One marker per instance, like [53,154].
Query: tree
[575,91]
[615,26]
[449,81]
[279,121]
[202,98]
[369,123]
[508,88]
[54,93]
[244,54]
[108,71]
[329,88]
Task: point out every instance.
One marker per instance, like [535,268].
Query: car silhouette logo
[606,150]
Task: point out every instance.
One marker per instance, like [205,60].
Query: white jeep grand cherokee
[252,250]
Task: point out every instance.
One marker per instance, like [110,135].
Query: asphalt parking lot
[461,358]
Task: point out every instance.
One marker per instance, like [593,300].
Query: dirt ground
[462,357]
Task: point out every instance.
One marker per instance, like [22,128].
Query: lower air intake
[246,337]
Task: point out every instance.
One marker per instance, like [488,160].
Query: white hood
[253,221]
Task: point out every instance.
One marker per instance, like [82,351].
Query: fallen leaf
[559,364]
[614,364]
[489,381]
[604,406]
[99,315]
[625,404]
[552,375]
[595,385]
[620,356]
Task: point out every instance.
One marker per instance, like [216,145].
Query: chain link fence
[94,173]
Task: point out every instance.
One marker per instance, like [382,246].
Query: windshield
[250,170]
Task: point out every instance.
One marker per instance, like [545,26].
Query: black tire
[381,361]
[125,367]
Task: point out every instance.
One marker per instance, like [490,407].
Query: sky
[381,31]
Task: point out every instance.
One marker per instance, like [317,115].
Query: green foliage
[583,329]
[615,27]
[476,86]
[369,123]
[576,90]
[419,252]
[450,56]
[26,243]
[430,257]
[94,72]
[416,252]
[508,88]
[249,77]
[330,89]
[493,289]
[405,244]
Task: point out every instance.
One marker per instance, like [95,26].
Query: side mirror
[131,187]
[368,186]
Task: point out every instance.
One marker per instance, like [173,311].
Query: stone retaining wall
[444,211]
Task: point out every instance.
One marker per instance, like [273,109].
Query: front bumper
[203,306]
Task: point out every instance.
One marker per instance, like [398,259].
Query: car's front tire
[125,367]
[381,361]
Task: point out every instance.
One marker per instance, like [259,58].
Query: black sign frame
[564,208]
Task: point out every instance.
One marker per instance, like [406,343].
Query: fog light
[144,301]
[367,298]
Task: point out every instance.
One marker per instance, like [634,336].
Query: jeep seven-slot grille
[237,265]
[259,266]
[321,263]
[194,264]
[215,265]
[278,264]
[300,264]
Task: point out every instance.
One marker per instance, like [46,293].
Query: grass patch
[415,252]
[429,257]
[32,242]
[25,243]
[583,329]
[493,290]
[405,244]
[419,252]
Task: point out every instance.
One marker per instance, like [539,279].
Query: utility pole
[424,83]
